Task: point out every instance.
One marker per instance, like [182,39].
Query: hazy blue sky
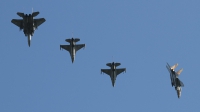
[142,35]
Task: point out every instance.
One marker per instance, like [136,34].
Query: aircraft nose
[72,60]
[113,85]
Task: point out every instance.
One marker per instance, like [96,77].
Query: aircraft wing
[17,22]
[66,47]
[181,83]
[79,46]
[38,22]
[106,71]
[120,70]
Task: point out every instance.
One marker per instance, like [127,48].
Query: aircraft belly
[72,53]
[113,78]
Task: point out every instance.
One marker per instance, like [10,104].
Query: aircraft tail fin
[20,14]
[34,14]
[174,66]
[179,72]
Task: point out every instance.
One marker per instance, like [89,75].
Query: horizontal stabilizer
[35,14]
[179,72]
[117,64]
[75,40]
[20,14]
[109,64]
[68,40]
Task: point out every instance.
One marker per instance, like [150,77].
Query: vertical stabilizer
[179,72]
[173,67]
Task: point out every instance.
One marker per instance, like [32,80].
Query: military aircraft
[173,74]
[73,47]
[28,23]
[113,71]
[178,85]
[174,78]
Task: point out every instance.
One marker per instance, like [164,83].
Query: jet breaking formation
[174,78]
[28,24]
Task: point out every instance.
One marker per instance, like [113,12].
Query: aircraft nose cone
[73,58]
[113,85]
[29,44]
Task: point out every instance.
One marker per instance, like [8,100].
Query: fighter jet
[173,74]
[28,23]
[174,78]
[178,85]
[113,71]
[73,47]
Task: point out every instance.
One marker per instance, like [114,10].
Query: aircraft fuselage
[28,22]
[178,90]
[73,50]
[173,77]
[29,40]
[113,77]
